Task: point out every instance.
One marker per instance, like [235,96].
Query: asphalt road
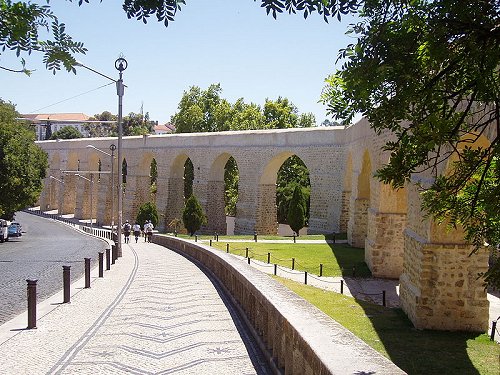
[45,246]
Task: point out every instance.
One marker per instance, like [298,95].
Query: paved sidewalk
[153,312]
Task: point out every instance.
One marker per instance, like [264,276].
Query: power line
[73,97]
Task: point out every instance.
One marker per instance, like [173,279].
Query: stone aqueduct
[439,288]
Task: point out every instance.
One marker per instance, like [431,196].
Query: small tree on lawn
[147,211]
[297,209]
[193,216]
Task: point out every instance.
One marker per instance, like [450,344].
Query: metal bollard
[293,263]
[305,278]
[87,272]
[195,238]
[101,264]
[66,283]
[275,269]
[246,253]
[31,291]
[227,248]
[248,260]
[108,259]
[113,254]
[383,298]
[210,242]
[217,237]
[294,240]
[255,236]
[341,286]
[268,258]
[321,269]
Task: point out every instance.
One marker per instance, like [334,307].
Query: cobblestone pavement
[154,312]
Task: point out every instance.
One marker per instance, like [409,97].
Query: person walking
[149,231]
[145,230]
[137,231]
[126,231]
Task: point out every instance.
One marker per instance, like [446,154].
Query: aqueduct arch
[438,287]
[359,204]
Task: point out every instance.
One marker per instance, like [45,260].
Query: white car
[4,230]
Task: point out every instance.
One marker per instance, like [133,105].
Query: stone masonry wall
[215,207]
[384,245]
[439,286]
[266,211]
[358,222]
[344,214]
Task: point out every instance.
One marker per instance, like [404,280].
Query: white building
[57,121]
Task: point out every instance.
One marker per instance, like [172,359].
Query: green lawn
[389,332]
[337,259]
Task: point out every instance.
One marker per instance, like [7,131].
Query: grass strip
[391,333]
[337,259]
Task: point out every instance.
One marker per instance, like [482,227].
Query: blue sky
[231,42]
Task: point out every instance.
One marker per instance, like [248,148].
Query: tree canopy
[428,72]
[206,111]
[192,215]
[23,164]
[66,132]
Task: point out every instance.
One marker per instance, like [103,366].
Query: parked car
[18,224]
[14,230]
[4,230]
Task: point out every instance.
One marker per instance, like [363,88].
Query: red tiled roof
[169,128]
[57,116]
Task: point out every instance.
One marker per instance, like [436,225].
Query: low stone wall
[298,337]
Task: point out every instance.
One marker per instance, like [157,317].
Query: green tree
[280,114]
[147,211]
[66,132]
[296,216]
[193,216]
[102,129]
[292,172]
[246,116]
[23,164]
[428,72]
[153,174]
[48,130]
[137,124]
[202,111]
[231,179]
[188,178]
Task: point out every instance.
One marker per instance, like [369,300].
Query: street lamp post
[91,180]
[112,147]
[120,65]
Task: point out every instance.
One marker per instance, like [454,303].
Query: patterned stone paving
[153,313]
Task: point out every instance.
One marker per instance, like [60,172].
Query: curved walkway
[154,312]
